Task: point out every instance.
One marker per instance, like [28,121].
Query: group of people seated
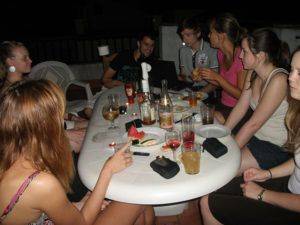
[260,103]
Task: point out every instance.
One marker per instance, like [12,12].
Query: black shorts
[230,207]
[267,154]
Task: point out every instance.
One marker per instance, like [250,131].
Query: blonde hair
[32,125]
[6,51]
[292,120]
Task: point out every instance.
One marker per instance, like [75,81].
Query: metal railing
[77,50]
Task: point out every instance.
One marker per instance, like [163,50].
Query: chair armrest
[86,86]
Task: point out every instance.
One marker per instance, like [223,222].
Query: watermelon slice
[134,133]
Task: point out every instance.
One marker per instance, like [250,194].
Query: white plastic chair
[61,74]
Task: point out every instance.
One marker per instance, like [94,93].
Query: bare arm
[213,77]
[286,200]
[242,105]
[270,101]
[54,204]
[209,88]
[282,170]
[107,79]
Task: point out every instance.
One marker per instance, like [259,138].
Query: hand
[251,190]
[209,74]
[254,174]
[119,161]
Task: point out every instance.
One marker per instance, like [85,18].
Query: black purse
[165,167]
[214,147]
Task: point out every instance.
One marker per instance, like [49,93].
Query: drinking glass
[190,157]
[187,129]
[193,99]
[207,113]
[110,110]
[173,140]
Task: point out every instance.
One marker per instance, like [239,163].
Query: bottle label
[147,114]
[166,120]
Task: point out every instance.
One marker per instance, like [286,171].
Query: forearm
[284,169]
[209,88]
[92,207]
[245,133]
[239,111]
[110,83]
[229,88]
[285,200]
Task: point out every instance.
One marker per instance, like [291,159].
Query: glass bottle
[147,106]
[166,116]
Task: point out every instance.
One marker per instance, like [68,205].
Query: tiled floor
[190,216]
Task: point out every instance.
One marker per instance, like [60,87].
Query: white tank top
[294,181]
[273,130]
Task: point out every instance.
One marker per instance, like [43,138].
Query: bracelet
[260,195]
[271,175]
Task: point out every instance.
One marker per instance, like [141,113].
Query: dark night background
[96,17]
[42,24]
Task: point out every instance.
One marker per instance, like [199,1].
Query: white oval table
[138,183]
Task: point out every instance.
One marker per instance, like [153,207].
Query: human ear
[261,56]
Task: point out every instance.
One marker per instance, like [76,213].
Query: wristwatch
[260,195]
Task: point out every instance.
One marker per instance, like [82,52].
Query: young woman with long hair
[264,196]
[36,166]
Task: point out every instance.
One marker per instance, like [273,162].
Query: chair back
[55,71]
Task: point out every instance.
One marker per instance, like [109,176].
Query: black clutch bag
[214,147]
[165,167]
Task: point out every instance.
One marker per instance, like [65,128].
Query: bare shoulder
[279,79]
[45,184]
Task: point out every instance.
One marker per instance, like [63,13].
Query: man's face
[146,46]
[189,36]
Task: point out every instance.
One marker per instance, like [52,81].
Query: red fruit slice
[133,132]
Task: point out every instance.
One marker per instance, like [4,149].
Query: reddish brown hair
[32,126]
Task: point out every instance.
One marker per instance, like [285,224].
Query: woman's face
[248,58]
[294,78]
[21,60]
[214,38]
[189,36]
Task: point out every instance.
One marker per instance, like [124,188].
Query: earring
[12,69]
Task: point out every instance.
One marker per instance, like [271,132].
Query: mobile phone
[137,123]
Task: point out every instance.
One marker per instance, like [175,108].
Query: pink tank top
[231,75]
